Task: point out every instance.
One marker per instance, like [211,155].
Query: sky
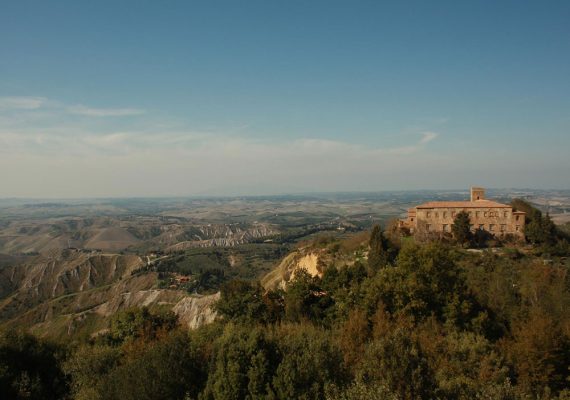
[181,98]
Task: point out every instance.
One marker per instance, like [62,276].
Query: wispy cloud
[36,103]
[22,103]
[428,137]
[47,136]
[185,162]
[74,141]
[104,112]
[53,131]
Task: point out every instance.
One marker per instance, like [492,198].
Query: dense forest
[413,320]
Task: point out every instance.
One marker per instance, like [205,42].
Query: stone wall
[496,220]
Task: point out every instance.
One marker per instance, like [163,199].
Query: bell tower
[477,193]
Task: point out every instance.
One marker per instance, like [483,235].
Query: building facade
[438,216]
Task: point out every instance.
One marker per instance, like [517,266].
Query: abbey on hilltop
[438,216]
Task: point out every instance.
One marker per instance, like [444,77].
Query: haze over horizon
[143,99]
[459,193]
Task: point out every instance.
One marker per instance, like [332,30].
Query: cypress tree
[461,228]
[378,254]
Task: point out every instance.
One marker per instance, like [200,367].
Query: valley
[67,266]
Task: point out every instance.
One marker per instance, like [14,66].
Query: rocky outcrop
[74,293]
[61,273]
[292,264]
[196,311]
[316,258]
[224,236]
[113,234]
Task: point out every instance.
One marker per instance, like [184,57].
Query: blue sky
[141,98]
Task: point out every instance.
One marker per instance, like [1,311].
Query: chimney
[477,193]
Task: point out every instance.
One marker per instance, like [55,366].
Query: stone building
[438,216]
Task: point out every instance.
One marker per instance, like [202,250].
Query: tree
[243,363]
[462,361]
[244,301]
[461,228]
[30,368]
[360,390]
[538,229]
[424,281]
[141,323]
[378,255]
[305,299]
[531,212]
[170,369]
[343,286]
[354,334]
[310,362]
[541,230]
[540,352]
[397,363]
[89,368]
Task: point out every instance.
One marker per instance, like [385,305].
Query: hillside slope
[316,257]
[72,292]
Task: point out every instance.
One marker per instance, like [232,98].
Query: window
[428,214]
[506,214]
[491,227]
[485,214]
[503,228]
[445,226]
[445,214]
[411,219]
[437,215]
[453,214]
[481,226]
[517,218]
[470,214]
[477,214]
[518,228]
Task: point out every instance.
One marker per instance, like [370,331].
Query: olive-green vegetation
[429,321]
[378,254]
[461,228]
[209,268]
[542,232]
[31,368]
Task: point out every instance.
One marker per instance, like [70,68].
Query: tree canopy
[434,321]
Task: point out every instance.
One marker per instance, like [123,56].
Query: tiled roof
[463,204]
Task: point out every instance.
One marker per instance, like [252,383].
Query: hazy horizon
[134,100]
[491,192]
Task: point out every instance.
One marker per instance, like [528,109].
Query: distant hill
[75,293]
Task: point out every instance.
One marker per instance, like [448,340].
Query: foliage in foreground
[426,321]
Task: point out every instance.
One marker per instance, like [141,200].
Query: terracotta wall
[497,221]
